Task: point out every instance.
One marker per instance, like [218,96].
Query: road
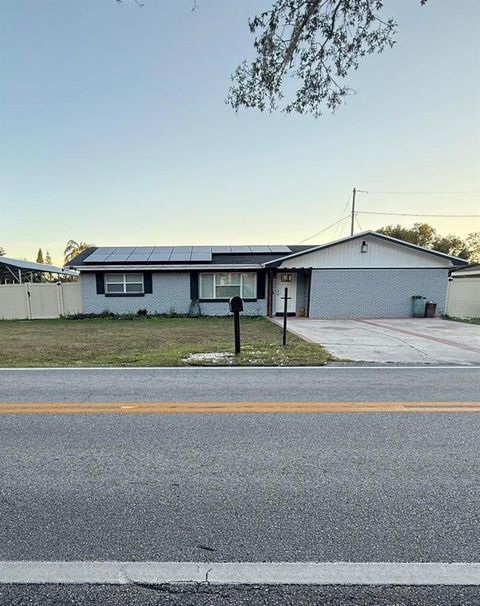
[216,487]
[331,383]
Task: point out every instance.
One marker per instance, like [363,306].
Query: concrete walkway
[411,340]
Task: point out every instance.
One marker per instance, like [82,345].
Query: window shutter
[194,285]
[261,284]
[100,283]
[147,283]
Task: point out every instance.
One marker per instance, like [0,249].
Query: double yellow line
[231,407]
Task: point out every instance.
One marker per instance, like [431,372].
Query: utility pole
[352,224]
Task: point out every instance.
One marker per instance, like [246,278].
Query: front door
[286,280]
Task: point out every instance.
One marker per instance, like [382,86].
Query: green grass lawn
[149,342]
[465,320]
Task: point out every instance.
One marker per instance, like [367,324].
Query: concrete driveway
[424,341]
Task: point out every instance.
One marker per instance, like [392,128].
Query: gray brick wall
[374,293]
[171,292]
[219,308]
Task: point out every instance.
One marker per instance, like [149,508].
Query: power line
[367,212]
[372,191]
[325,229]
[358,223]
[339,226]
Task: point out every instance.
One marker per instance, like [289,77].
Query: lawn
[149,342]
[465,320]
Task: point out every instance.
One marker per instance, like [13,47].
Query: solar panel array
[174,254]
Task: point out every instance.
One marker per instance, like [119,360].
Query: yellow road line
[231,407]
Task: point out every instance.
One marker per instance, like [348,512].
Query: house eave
[196,267]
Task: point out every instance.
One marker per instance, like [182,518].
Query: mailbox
[236,304]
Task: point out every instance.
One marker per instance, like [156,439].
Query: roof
[466,272]
[31,266]
[172,257]
[455,260]
[217,257]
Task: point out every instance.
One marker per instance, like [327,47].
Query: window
[226,285]
[120,284]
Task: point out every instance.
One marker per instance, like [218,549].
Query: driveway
[425,341]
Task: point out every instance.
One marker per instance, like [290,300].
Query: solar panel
[175,254]
[105,249]
[260,249]
[94,257]
[180,257]
[280,249]
[117,257]
[124,249]
[201,256]
[143,250]
[138,257]
[221,250]
[158,257]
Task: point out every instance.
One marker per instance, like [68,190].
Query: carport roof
[7,263]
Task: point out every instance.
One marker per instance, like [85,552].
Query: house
[463,299]
[365,275]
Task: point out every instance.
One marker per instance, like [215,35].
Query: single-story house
[463,299]
[365,275]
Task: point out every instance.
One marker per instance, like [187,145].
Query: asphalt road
[242,384]
[93,595]
[240,487]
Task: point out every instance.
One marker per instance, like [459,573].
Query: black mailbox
[236,304]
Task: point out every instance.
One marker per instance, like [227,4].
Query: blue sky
[114,129]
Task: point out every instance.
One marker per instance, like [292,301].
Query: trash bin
[430,309]
[419,304]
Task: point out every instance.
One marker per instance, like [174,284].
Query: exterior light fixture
[364,248]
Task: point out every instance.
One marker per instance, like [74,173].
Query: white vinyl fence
[464,297]
[39,301]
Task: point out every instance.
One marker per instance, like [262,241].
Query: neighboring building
[17,271]
[464,293]
[31,290]
[365,275]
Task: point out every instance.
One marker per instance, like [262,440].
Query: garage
[367,275]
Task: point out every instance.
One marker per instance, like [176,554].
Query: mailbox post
[236,306]
[285,315]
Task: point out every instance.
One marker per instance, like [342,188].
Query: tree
[40,256]
[473,244]
[2,251]
[73,249]
[425,235]
[421,234]
[48,258]
[452,245]
[315,43]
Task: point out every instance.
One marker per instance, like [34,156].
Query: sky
[114,129]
